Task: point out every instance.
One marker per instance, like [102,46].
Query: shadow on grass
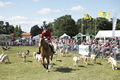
[99,63]
[59,60]
[7,62]
[30,56]
[64,69]
[90,64]
[29,61]
[81,66]
[53,63]
[118,68]
[67,56]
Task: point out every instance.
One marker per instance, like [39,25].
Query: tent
[107,33]
[78,35]
[65,36]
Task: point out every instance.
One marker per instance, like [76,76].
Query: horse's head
[41,40]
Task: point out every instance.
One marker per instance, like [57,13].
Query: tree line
[65,24]
[6,28]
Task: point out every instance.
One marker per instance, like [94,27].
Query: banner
[5,38]
[114,25]
[84,49]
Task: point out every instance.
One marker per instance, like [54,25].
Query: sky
[28,13]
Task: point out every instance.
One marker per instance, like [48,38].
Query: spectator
[79,41]
[75,46]
[117,41]
[91,41]
[95,41]
[100,41]
[87,41]
[117,52]
[103,49]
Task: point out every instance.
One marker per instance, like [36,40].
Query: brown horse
[45,51]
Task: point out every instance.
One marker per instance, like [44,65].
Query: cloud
[3,4]
[19,23]
[35,0]
[48,11]
[39,21]
[8,3]
[44,11]
[112,10]
[77,8]
[44,19]
[58,10]
[25,23]
[17,18]
[2,18]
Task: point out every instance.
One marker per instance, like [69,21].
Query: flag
[86,16]
[103,14]
[114,24]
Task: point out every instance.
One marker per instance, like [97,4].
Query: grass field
[62,69]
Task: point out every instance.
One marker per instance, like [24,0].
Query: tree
[1,27]
[89,25]
[20,31]
[50,26]
[6,27]
[64,24]
[118,26]
[103,24]
[16,32]
[85,26]
[10,29]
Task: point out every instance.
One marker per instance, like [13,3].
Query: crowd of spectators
[107,47]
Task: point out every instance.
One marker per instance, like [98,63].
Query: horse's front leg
[47,63]
[43,62]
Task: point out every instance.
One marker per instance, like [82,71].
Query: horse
[45,51]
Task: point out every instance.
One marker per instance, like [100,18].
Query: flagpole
[81,28]
[95,22]
[95,26]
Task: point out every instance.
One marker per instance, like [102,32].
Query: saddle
[50,48]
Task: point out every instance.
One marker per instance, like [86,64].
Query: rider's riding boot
[52,49]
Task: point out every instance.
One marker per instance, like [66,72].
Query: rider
[47,35]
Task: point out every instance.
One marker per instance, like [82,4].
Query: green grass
[62,69]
